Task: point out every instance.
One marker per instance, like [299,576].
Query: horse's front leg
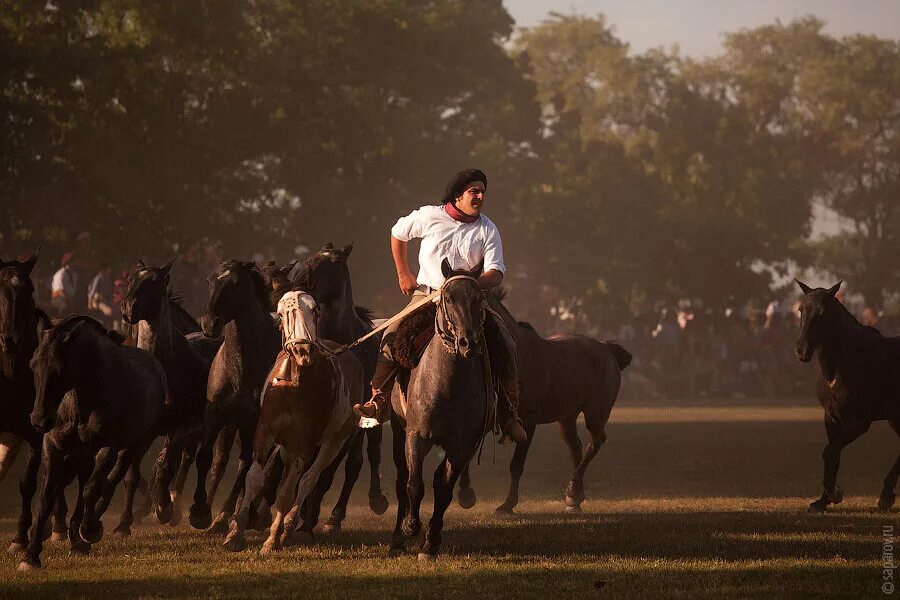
[220,525]
[398,540]
[887,497]
[444,480]
[283,502]
[516,469]
[27,488]
[378,502]
[416,450]
[840,435]
[91,530]
[51,486]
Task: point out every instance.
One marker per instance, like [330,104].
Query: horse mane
[43,319]
[175,296]
[68,323]
[847,316]
[366,314]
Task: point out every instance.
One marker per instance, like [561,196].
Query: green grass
[701,508]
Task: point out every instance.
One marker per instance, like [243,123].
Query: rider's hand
[407,282]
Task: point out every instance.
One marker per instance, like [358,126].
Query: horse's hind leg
[132,477]
[516,469]
[220,525]
[378,502]
[61,510]
[177,488]
[166,465]
[255,480]
[200,513]
[568,429]
[352,452]
[466,495]
[887,497]
[84,466]
[839,436]
[398,540]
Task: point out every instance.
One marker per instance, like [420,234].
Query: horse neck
[843,348]
[26,328]
[339,321]
[92,367]
[157,335]
[245,336]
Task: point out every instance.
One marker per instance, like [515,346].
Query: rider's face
[472,199]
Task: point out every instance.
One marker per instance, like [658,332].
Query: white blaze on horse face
[298,317]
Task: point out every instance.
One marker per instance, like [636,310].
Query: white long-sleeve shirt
[462,244]
[64,280]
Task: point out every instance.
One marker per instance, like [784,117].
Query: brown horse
[307,418]
[561,378]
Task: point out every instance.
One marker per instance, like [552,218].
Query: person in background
[63,287]
[100,294]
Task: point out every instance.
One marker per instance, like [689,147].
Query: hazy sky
[696,26]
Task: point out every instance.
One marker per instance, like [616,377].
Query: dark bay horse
[186,361]
[559,378]
[238,309]
[444,401]
[20,325]
[100,403]
[858,382]
[307,419]
[326,276]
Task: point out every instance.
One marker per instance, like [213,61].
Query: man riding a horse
[456,230]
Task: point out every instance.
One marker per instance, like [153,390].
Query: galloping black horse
[444,401]
[859,382]
[100,403]
[20,324]
[186,361]
[238,308]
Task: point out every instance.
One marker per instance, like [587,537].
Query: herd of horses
[272,364]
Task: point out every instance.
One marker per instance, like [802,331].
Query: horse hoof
[466,498]
[267,549]
[503,512]
[91,537]
[219,526]
[331,528]
[411,527]
[175,521]
[201,517]
[837,495]
[575,509]
[235,543]
[426,557]
[27,566]
[886,502]
[298,537]
[379,504]
[59,536]
[122,532]
[817,507]
[79,548]
[15,549]
[164,513]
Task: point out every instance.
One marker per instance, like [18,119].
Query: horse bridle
[302,340]
[448,333]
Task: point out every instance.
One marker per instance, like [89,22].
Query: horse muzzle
[804,351]
[212,325]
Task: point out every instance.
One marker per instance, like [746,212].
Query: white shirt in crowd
[462,244]
[64,280]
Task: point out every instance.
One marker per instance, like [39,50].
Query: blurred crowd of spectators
[685,351]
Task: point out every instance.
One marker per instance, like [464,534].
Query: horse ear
[141,264]
[28,265]
[445,268]
[833,290]
[329,246]
[346,250]
[805,288]
[168,266]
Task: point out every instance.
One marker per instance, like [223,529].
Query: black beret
[459,183]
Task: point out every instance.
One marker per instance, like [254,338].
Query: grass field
[699,501]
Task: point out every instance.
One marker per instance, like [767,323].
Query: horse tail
[623,357]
